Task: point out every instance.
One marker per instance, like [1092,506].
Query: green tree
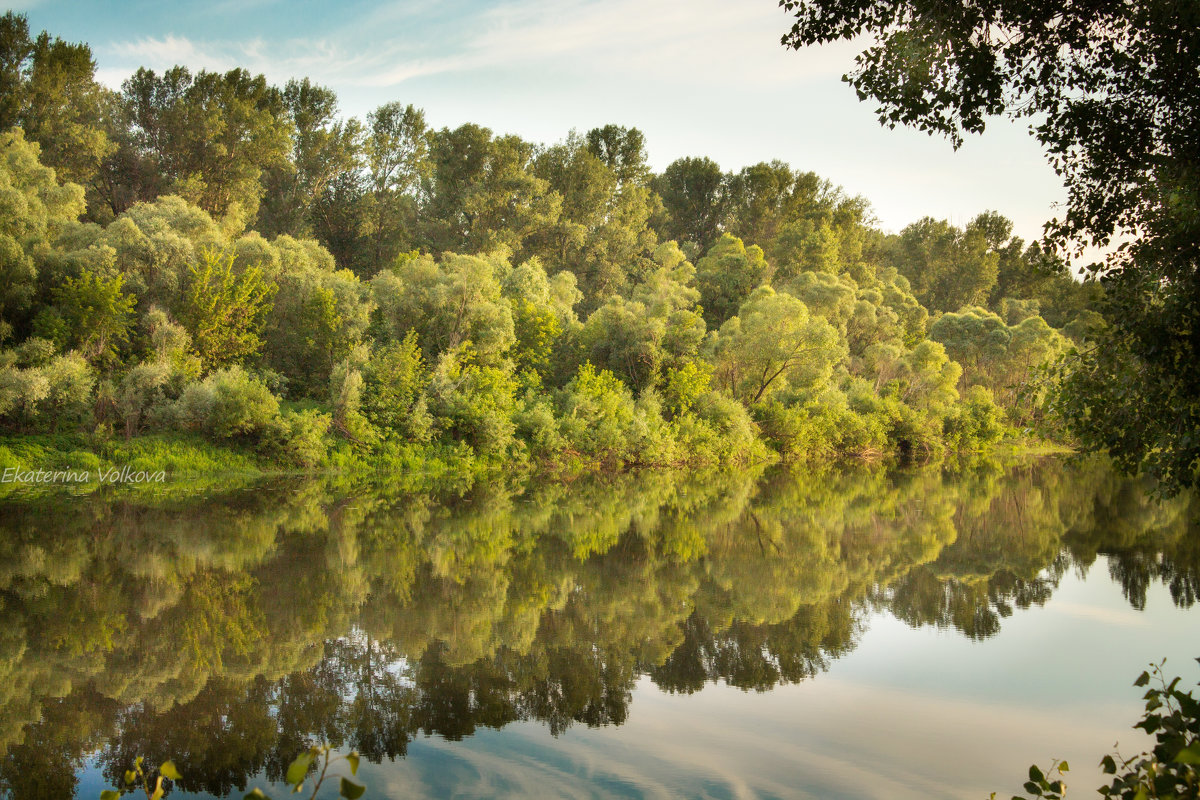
[50,91]
[727,275]
[1111,93]
[98,316]
[949,267]
[602,233]
[774,341]
[323,149]
[693,192]
[764,197]
[225,310]
[34,210]
[1008,359]
[483,194]
[448,304]
[208,137]
[396,155]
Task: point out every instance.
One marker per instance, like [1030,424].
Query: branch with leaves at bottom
[1168,772]
[138,777]
[297,773]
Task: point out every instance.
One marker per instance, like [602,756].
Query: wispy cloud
[703,41]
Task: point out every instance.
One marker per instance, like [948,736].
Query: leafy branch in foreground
[1168,772]
[297,773]
[139,778]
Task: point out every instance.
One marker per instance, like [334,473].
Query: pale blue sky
[699,77]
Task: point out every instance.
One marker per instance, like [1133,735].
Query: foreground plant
[1168,772]
[297,774]
[138,777]
[322,755]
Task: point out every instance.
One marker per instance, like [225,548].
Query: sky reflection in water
[847,634]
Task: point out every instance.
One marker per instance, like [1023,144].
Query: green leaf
[168,769]
[1110,766]
[130,776]
[1143,679]
[1035,773]
[1062,767]
[1189,754]
[352,759]
[351,790]
[109,794]
[299,768]
[255,794]
[1033,788]
[158,790]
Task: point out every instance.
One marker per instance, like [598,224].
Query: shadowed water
[856,633]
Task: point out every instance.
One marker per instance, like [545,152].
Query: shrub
[473,403]
[597,413]
[296,438]
[975,422]
[228,404]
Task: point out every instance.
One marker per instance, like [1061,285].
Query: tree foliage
[1110,92]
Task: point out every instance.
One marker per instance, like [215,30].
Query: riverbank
[85,462]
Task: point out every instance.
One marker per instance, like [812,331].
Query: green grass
[177,456]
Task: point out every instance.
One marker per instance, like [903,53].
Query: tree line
[207,252]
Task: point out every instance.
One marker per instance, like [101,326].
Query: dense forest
[209,256]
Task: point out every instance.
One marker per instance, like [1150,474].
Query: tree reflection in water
[230,630]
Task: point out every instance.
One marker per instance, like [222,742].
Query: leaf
[255,794]
[158,790]
[1062,767]
[1033,788]
[1143,679]
[168,769]
[1189,754]
[1035,774]
[130,776]
[299,768]
[352,759]
[351,790]
[109,794]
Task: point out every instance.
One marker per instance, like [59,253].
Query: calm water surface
[861,633]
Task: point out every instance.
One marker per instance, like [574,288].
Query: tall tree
[323,148]
[949,267]
[483,193]
[209,137]
[48,88]
[602,233]
[1111,92]
[694,195]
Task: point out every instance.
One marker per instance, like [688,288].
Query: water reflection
[229,630]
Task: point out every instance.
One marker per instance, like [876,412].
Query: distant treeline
[211,253]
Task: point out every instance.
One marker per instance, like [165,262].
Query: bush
[597,413]
[473,403]
[537,425]
[47,396]
[296,438]
[228,404]
[393,391]
[975,423]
